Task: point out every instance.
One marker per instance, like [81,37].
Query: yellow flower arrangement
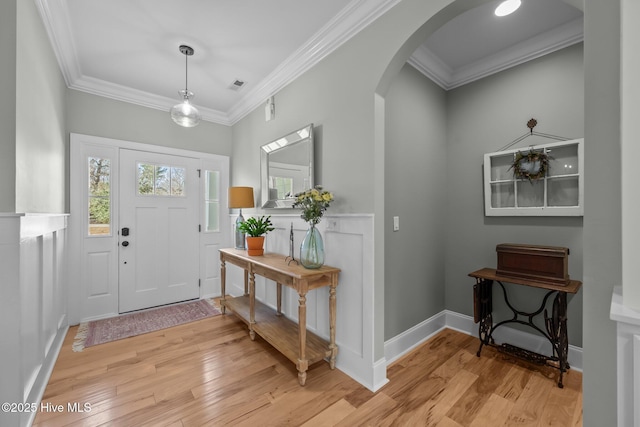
[313,203]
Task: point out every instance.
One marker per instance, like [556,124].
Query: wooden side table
[556,324]
[292,339]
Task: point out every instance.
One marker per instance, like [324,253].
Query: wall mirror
[286,167]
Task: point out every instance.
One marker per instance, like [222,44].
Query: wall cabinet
[559,193]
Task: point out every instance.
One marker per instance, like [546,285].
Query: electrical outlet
[396,223]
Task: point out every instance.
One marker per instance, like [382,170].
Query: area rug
[141,322]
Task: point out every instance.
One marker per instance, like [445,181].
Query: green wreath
[531,166]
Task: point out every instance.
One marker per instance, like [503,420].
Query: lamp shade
[241,197]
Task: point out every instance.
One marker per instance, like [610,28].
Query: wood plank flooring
[210,373]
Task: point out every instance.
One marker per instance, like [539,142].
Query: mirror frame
[304,134]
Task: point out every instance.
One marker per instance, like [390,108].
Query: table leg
[223,282]
[332,325]
[252,304]
[483,301]
[279,288]
[557,329]
[303,363]
[246,282]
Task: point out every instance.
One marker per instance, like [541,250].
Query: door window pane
[146,178]
[99,194]
[161,180]
[177,181]
[163,175]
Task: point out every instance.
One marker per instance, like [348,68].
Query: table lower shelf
[280,332]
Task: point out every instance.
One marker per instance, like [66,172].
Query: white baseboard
[41,381]
[403,343]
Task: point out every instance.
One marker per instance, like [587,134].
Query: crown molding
[57,25]
[352,19]
[142,98]
[558,38]
[357,15]
[431,66]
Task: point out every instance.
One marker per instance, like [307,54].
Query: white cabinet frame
[506,195]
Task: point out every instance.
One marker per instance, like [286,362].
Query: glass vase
[312,249]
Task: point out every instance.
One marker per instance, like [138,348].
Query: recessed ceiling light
[507,7]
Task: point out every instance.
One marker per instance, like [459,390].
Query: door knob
[125,243]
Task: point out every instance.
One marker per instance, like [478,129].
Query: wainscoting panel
[628,360]
[348,243]
[33,250]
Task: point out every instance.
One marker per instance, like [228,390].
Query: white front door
[166,258]
[158,229]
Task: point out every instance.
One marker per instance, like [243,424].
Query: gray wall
[602,217]
[41,148]
[435,141]
[8,37]
[339,95]
[416,192]
[483,117]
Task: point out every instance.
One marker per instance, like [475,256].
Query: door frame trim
[78,143]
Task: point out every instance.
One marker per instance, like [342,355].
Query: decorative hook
[531,124]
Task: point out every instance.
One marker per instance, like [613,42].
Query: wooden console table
[556,324]
[292,340]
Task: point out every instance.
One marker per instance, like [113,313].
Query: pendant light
[185,114]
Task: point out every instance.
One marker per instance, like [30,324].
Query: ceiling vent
[237,84]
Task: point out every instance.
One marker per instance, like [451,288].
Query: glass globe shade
[185,114]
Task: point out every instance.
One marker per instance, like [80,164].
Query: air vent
[237,84]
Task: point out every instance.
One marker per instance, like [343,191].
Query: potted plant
[255,229]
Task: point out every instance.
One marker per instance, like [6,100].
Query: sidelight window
[212,201]
[99,196]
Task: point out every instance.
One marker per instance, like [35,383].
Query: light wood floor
[210,373]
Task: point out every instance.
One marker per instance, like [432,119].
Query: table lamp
[240,197]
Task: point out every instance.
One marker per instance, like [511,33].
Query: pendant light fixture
[185,114]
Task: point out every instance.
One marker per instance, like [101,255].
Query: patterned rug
[141,322]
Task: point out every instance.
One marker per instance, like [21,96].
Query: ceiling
[128,50]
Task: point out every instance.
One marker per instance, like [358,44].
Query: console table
[556,324]
[292,340]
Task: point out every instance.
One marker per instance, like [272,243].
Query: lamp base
[240,236]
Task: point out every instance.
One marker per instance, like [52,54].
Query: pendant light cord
[186,73]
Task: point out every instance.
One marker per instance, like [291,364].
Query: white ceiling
[128,50]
